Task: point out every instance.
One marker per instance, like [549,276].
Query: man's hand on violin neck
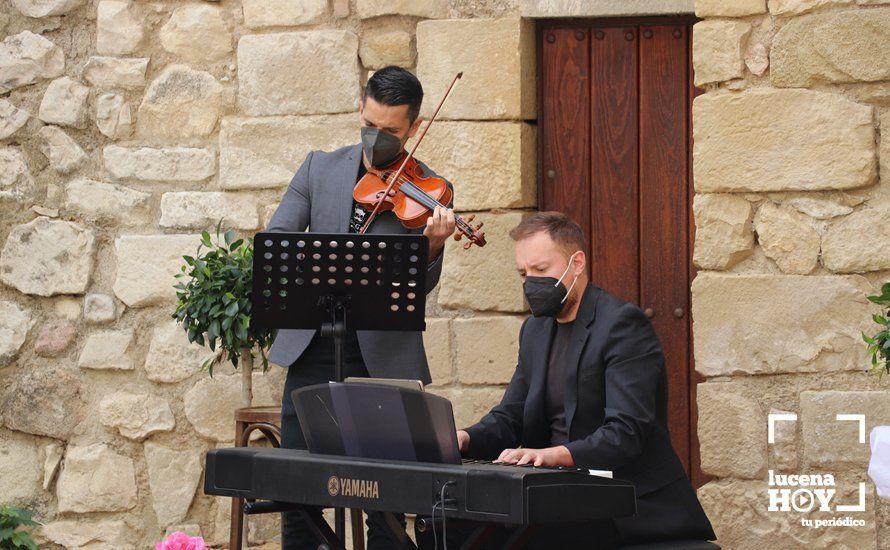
[438,228]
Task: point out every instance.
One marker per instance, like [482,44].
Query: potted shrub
[879,343]
[213,305]
[15,526]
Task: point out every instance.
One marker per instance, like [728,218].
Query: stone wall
[127,127]
[791,234]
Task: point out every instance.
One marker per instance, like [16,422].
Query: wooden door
[615,135]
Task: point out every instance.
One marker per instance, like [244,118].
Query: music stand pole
[337,329]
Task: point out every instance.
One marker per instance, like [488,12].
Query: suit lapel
[346,180]
[580,335]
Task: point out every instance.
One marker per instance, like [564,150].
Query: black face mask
[546,296]
[380,147]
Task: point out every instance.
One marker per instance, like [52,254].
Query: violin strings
[403,180]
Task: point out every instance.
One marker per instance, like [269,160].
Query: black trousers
[316,366]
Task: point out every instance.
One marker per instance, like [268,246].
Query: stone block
[16,182]
[189,21]
[45,401]
[107,350]
[100,535]
[859,242]
[180,103]
[447,47]
[65,103]
[484,279]
[796,7]
[722,8]
[731,432]
[119,27]
[98,309]
[203,210]
[15,322]
[490,164]
[788,237]
[116,72]
[831,443]
[835,46]
[278,13]
[470,404]
[717,47]
[766,324]
[173,476]
[778,140]
[437,342]
[147,267]
[723,231]
[26,58]
[114,117]
[171,358]
[430,9]
[98,201]
[136,416]
[166,164]
[267,151]
[210,404]
[11,118]
[96,479]
[486,349]
[273,69]
[48,257]
[64,154]
[379,50]
[54,339]
[20,472]
[46,8]
[738,511]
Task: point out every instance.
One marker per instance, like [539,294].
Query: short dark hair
[395,86]
[567,234]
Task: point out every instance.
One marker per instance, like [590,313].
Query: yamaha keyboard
[474,490]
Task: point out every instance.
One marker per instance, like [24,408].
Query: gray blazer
[320,197]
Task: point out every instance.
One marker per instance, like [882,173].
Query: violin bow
[398,173]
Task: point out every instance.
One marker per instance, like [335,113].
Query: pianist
[589,391]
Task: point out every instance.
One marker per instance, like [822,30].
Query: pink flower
[180,541]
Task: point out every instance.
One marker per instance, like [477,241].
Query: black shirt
[359,214]
[556,383]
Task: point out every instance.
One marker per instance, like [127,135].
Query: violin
[412,198]
[409,194]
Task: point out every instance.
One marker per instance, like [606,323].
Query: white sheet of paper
[601,473]
[879,465]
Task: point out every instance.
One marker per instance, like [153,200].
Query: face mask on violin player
[385,129]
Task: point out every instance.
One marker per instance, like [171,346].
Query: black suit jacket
[616,413]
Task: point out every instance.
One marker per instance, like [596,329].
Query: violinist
[320,197]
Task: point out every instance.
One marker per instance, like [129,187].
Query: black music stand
[332,282]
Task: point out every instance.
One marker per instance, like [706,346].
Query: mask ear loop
[569,291]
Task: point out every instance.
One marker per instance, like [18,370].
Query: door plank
[564,125]
[614,232]
[664,275]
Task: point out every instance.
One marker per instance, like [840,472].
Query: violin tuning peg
[458,236]
[471,217]
[478,227]
[468,245]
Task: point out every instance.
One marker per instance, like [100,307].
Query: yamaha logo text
[348,487]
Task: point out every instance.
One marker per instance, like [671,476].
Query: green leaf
[232,309]
[205,239]
[236,244]
[229,237]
